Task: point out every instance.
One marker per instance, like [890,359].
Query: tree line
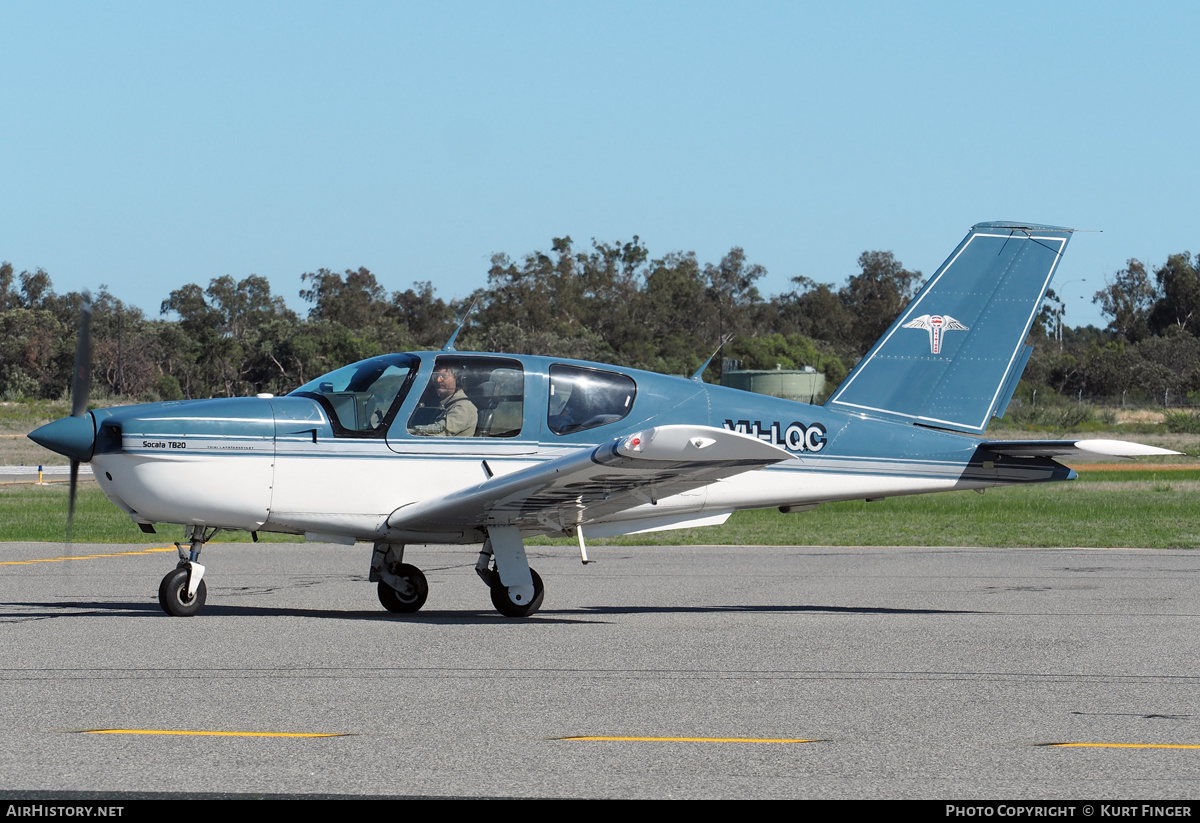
[611,302]
[1148,352]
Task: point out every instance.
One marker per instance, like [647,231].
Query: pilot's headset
[457,371]
[460,376]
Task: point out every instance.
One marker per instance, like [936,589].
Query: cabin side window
[471,397]
[582,399]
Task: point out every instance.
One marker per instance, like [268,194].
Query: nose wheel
[173,594]
[182,592]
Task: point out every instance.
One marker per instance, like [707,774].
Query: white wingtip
[1120,448]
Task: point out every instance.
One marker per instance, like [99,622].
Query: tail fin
[953,358]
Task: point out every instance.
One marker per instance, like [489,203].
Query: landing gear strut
[182,592]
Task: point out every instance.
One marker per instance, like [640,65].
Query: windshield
[362,398]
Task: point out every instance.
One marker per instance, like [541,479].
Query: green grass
[31,513]
[1107,509]
[1142,513]
[1147,474]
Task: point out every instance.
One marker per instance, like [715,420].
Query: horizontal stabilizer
[1062,448]
[953,357]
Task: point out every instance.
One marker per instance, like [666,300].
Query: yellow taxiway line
[212,734]
[39,482]
[84,557]
[1124,745]
[628,739]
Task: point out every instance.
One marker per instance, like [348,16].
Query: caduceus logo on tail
[936,325]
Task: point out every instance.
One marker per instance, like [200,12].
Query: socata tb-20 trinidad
[526,445]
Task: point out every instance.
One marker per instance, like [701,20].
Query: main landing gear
[402,587]
[182,592]
[515,588]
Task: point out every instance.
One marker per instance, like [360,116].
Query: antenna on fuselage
[699,375]
[461,322]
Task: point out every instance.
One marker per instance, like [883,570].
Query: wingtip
[1122,448]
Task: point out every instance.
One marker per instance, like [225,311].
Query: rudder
[953,357]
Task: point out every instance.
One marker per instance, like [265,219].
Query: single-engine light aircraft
[453,447]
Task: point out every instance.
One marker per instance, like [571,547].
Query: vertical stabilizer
[954,356]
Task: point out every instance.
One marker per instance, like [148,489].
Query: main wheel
[411,596]
[173,596]
[505,604]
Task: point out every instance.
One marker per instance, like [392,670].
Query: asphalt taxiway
[656,672]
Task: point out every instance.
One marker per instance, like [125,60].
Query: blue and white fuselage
[277,464]
[455,447]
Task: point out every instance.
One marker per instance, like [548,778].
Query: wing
[585,486]
[1060,448]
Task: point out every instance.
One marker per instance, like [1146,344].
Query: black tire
[172,595]
[508,608]
[412,598]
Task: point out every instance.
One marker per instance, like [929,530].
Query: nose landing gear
[182,592]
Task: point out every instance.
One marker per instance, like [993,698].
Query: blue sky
[149,145]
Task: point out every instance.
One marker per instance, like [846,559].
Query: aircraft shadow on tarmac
[34,611]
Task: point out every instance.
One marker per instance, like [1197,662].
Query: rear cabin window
[582,399]
[471,397]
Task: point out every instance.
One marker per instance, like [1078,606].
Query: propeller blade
[81,382]
[71,500]
[81,385]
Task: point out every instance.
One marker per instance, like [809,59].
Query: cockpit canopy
[467,396]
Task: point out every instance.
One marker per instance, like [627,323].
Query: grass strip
[1108,509]
[32,513]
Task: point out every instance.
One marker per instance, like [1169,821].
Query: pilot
[457,415]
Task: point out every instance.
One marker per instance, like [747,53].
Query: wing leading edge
[585,486]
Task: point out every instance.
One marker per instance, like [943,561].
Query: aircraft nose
[73,437]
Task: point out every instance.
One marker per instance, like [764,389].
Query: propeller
[81,384]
